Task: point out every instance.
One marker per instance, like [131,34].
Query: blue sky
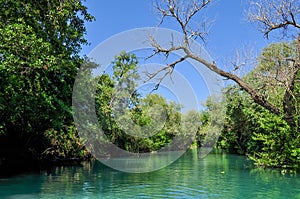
[229,31]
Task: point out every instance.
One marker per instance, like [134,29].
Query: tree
[249,128]
[130,121]
[237,125]
[39,46]
[274,15]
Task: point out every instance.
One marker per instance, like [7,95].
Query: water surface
[215,176]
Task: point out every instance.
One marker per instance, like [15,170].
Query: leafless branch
[167,70]
[182,12]
[275,15]
[243,61]
[271,15]
[160,49]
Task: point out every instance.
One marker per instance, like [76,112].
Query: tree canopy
[39,46]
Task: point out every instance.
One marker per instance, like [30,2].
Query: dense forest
[40,44]
[39,54]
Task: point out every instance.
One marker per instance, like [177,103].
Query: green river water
[215,176]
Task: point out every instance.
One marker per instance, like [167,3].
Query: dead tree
[281,15]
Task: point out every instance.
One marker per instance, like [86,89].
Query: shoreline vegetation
[21,167]
[39,61]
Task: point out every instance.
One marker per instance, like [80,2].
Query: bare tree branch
[167,70]
[275,15]
[183,11]
[271,15]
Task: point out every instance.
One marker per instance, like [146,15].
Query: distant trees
[136,123]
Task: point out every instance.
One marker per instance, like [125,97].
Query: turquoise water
[215,176]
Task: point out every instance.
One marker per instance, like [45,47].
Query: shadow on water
[215,176]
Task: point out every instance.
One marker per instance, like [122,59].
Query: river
[215,176]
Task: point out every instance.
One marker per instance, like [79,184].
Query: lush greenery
[141,123]
[39,46]
[39,54]
[250,129]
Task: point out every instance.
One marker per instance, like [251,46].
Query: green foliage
[39,45]
[212,120]
[273,72]
[249,129]
[189,130]
[273,143]
[238,123]
[136,123]
[64,144]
